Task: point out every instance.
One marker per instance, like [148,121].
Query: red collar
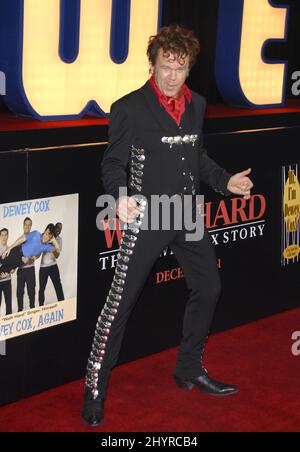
[175,107]
[185,91]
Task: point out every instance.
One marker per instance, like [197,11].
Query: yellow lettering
[56,88]
[262,83]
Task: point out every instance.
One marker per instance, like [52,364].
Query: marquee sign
[68,57]
[63,58]
[244,75]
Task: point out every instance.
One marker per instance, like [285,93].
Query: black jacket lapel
[164,120]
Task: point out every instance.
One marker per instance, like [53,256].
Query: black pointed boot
[93,409]
[205,383]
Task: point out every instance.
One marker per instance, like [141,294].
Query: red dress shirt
[174,106]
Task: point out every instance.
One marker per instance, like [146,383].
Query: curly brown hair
[174,40]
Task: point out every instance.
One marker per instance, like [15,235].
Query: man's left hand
[240,184]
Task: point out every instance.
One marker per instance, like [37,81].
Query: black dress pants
[26,276]
[198,262]
[51,272]
[5,288]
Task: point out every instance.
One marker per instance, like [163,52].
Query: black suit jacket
[140,126]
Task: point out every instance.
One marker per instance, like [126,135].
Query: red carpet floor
[143,397]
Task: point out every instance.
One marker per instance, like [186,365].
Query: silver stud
[121,274]
[128,252]
[139,151]
[110,301]
[119,281]
[126,259]
[141,158]
[139,181]
[134,230]
[194,138]
[117,288]
[124,268]
[129,244]
[140,166]
[95,394]
[102,331]
[110,317]
[171,141]
[139,199]
[132,238]
[136,172]
[112,311]
[115,296]
[134,185]
[114,304]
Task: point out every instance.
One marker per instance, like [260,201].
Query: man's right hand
[127,209]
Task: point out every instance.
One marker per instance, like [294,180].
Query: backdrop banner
[38,278]
[290,215]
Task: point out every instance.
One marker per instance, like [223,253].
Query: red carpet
[143,397]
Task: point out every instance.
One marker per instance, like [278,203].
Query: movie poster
[38,264]
[290,247]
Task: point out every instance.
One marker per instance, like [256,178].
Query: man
[157,132]
[29,247]
[5,278]
[49,268]
[26,275]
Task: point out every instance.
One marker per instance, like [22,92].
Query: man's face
[47,236]
[58,229]
[4,237]
[27,226]
[169,73]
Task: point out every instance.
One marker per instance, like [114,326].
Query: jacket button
[183,158]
